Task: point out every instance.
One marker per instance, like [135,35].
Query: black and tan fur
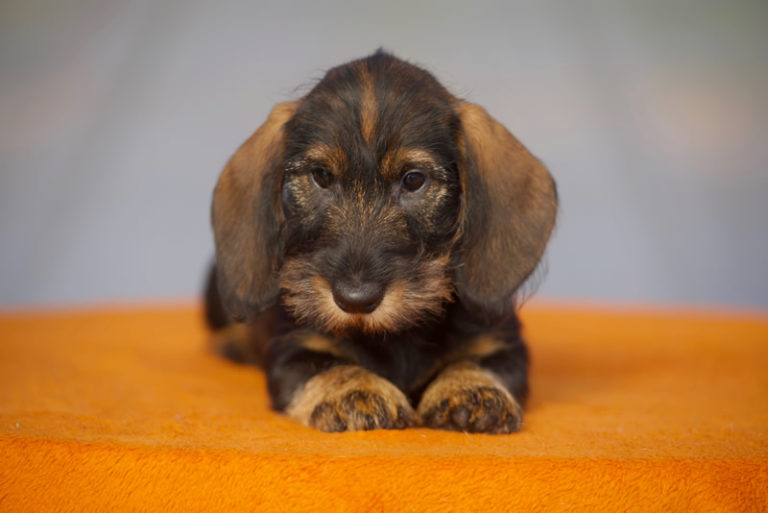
[373,234]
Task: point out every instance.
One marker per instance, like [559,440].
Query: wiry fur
[407,302]
[374,234]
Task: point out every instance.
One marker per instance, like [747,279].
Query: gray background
[116,117]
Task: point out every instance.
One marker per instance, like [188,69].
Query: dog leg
[480,393]
[312,381]
[234,343]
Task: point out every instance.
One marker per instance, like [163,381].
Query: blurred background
[117,116]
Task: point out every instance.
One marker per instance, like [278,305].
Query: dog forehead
[371,107]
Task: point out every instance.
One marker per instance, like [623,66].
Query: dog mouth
[349,305]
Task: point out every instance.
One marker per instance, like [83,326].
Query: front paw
[349,398]
[465,397]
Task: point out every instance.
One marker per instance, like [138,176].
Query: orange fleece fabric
[124,409]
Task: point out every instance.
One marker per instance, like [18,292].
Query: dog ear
[247,219]
[509,208]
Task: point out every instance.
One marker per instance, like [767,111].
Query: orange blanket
[124,409]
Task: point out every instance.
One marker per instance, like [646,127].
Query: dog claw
[478,410]
[360,410]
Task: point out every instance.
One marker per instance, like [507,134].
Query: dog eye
[322,178]
[413,181]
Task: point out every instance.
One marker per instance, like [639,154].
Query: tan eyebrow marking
[332,157]
[394,161]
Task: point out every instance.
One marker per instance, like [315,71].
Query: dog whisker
[406,303]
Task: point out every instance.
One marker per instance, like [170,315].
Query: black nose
[363,298]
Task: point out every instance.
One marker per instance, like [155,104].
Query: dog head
[375,199]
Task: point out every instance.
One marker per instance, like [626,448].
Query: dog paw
[349,398]
[360,410]
[467,398]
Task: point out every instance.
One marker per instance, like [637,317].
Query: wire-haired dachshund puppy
[372,235]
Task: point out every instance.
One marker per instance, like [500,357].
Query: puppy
[372,234]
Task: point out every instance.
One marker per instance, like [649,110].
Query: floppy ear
[510,203]
[247,219]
